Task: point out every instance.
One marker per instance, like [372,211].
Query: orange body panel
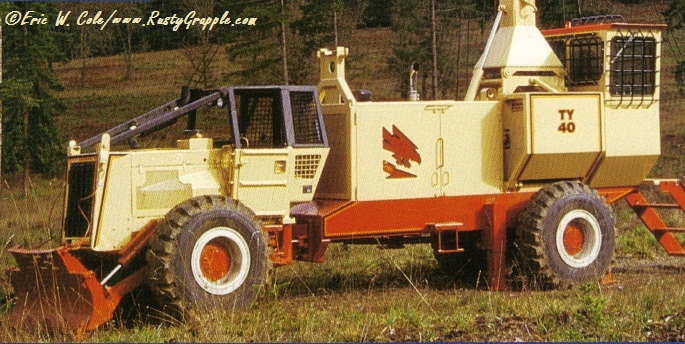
[322,221]
[597,27]
[348,220]
[57,292]
[356,220]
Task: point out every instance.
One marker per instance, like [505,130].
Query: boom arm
[160,117]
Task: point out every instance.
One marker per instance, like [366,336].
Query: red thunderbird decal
[403,151]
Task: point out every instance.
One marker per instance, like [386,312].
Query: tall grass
[30,215]
[308,303]
[362,293]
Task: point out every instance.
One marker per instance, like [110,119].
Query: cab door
[262,152]
[310,144]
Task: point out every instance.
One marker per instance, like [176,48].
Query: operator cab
[275,117]
[622,61]
[262,117]
[278,148]
[606,54]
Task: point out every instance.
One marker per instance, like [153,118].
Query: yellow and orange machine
[523,170]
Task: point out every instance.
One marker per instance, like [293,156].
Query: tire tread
[163,247]
[530,256]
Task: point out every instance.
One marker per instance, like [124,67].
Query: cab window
[633,64]
[260,118]
[306,121]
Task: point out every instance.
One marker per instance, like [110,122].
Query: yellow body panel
[517,58]
[632,135]
[261,184]
[142,185]
[269,181]
[308,169]
[457,155]
[527,139]
[552,136]
[633,142]
[336,99]
[521,47]
[633,145]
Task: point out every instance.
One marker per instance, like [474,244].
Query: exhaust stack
[413,78]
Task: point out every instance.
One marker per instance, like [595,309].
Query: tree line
[279,50]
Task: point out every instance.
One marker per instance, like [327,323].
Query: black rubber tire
[189,227]
[541,256]
[470,265]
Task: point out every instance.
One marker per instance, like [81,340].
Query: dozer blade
[56,292]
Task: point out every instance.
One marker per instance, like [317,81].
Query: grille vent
[306,166]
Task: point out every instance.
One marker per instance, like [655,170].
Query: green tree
[287,35]
[258,47]
[316,27]
[31,141]
[161,37]
[378,14]
[411,23]
[202,53]
[555,13]
[675,17]
[321,25]
[440,62]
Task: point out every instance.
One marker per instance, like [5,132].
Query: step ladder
[646,211]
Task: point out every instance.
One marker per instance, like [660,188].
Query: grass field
[362,293]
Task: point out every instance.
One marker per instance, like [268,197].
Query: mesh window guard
[633,63]
[581,57]
[306,166]
[261,121]
[305,118]
[585,62]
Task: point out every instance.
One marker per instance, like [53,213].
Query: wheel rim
[215,260]
[578,238]
[220,260]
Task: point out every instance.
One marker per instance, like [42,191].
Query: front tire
[566,236]
[208,253]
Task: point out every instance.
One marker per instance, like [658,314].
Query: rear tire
[566,236]
[208,253]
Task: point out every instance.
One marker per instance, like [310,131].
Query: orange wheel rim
[573,239]
[215,261]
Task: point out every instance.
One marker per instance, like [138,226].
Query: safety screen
[582,57]
[305,118]
[585,62]
[260,118]
[633,64]
[80,195]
